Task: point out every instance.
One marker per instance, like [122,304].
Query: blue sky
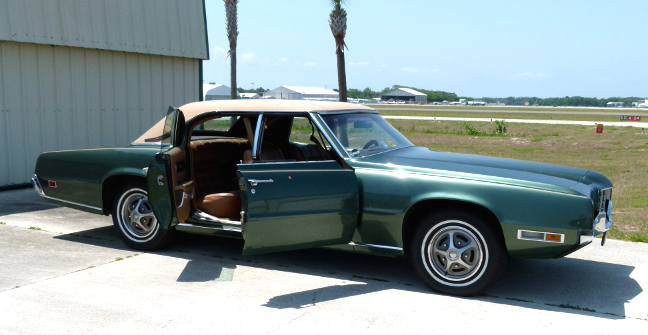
[478,48]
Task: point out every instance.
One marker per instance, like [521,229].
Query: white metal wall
[161,27]
[57,97]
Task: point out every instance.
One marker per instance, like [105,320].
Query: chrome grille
[604,199]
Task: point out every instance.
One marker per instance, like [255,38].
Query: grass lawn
[621,153]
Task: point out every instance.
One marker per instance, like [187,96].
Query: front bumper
[603,221]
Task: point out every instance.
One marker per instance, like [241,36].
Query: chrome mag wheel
[136,215]
[458,252]
[136,223]
[454,253]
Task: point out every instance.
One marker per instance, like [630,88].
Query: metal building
[299,93]
[404,94]
[79,74]
[214,91]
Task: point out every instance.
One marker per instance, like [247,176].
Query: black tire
[135,221]
[457,253]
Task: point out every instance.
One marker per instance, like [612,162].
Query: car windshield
[365,134]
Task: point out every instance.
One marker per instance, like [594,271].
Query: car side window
[301,131]
[221,124]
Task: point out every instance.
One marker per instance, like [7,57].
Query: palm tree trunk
[233,74]
[341,69]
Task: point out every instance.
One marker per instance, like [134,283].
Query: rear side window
[222,124]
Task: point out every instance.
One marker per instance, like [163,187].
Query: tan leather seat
[222,205]
[214,166]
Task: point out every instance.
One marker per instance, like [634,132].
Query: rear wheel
[457,253]
[133,215]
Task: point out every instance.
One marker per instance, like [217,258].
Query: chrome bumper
[603,221]
[37,185]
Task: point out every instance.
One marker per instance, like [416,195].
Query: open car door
[291,205]
[170,187]
[297,205]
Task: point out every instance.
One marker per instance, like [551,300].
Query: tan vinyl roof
[193,109]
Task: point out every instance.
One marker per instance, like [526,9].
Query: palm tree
[338,24]
[232,35]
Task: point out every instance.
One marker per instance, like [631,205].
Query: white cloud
[310,64]
[411,69]
[249,57]
[217,51]
[252,58]
[358,63]
[283,60]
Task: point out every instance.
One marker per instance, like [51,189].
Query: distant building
[252,95]
[404,94]
[615,104]
[302,93]
[640,104]
[215,91]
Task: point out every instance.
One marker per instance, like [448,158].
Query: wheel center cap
[135,216]
[453,255]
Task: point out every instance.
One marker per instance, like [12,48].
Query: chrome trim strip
[520,237]
[382,152]
[202,216]
[375,246]
[585,239]
[37,185]
[154,144]
[255,145]
[72,203]
[221,228]
[288,162]
[306,170]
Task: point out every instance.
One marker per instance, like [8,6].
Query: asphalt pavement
[66,272]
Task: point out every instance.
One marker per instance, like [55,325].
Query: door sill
[204,223]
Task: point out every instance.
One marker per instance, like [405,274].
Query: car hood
[492,169]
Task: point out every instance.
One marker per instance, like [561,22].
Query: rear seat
[214,167]
[311,152]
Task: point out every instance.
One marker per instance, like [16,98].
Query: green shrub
[500,127]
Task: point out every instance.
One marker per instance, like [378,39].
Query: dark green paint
[158,182]
[307,204]
[366,201]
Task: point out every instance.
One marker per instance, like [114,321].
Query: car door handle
[255,182]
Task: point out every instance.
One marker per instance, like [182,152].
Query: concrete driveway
[65,271]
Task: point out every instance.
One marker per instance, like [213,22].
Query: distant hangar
[404,94]
[299,93]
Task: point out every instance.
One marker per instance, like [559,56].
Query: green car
[287,175]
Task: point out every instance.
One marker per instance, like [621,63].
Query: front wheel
[457,253]
[133,216]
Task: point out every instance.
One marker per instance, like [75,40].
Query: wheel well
[112,185]
[418,211]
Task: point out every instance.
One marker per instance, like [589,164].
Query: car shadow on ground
[567,285]
[22,200]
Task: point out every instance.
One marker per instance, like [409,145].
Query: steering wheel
[370,144]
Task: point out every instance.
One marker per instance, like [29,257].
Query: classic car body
[288,175]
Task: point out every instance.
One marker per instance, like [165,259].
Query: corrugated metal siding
[55,98]
[159,27]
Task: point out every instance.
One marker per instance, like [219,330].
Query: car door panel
[296,205]
[170,186]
